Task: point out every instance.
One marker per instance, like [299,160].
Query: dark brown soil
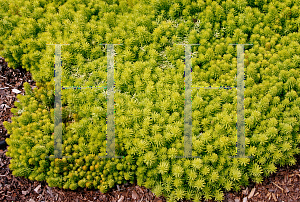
[282,186]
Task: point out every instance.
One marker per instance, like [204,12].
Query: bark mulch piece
[283,186]
[11,84]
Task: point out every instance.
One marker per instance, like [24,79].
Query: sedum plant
[149,92]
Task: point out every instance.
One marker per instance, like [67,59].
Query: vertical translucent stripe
[57,104]
[110,103]
[240,125]
[188,124]
[240,102]
[110,121]
[188,102]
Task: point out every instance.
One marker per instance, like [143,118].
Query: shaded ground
[282,186]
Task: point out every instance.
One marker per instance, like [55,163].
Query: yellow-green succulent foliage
[149,92]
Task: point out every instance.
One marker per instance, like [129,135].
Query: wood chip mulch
[283,186]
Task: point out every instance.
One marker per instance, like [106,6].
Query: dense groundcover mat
[149,92]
